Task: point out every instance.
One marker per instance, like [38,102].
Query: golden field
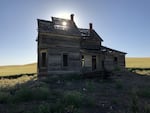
[31,68]
[17,69]
[138,62]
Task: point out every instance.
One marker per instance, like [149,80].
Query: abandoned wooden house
[65,48]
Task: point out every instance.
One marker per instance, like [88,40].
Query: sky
[123,25]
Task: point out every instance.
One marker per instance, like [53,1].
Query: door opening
[93,63]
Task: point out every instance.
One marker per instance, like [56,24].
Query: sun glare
[64,23]
[65,15]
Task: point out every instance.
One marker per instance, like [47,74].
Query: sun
[64,23]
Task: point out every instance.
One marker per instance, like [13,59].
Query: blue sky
[123,25]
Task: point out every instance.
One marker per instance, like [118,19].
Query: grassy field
[17,69]
[124,92]
[138,62]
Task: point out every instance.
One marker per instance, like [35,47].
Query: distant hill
[138,62]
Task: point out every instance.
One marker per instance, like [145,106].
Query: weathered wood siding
[88,62]
[121,61]
[99,62]
[57,46]
[54,61]
[111,64]
[91,43]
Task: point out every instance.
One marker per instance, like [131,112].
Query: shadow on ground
[123,92]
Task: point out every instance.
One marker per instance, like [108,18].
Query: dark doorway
[93,63]
[65,60]
[103,64]
[115,60]
[43,59]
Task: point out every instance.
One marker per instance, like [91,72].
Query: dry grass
[8,83]
[138,62]
[17,69]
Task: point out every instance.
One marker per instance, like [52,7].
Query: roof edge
[114,50]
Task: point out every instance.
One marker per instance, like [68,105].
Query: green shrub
[51,79]
[89,101]
[90,85]
[41,93]
[23,95]
[147,108]
[118,84]
[134,101]
[117,69]
[57,107]
[144,92]
[44,108]
[28,94]
[74,98]
[71,77]
[114,101]
[4,97]
[39,84]
[134,106]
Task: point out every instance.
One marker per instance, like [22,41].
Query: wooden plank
[59,35]
[54,62]
[60,42]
